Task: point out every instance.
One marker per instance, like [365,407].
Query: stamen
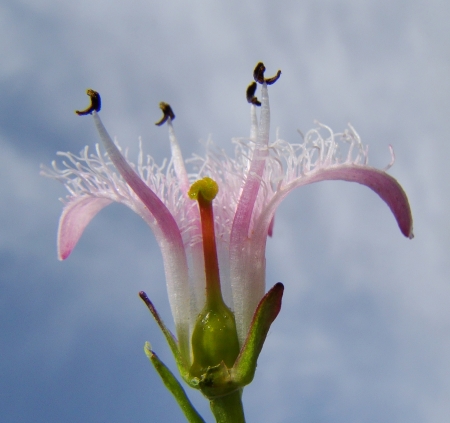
[258,75]
[96,103]
[167,113]
[250,93]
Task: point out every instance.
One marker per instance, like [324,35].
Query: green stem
[228,409]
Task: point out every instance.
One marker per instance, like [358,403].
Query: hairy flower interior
[94,174]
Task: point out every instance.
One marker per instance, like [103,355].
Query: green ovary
[214,339]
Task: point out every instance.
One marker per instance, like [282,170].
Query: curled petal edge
[387,187]
[248,284]
[76,215]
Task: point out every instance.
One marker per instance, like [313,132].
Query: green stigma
[207,187]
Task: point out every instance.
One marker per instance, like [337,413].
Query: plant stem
[228,409]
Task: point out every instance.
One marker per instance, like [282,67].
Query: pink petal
[248,288]
[387,187]
[250,278]
[76,215]
[244,209]
[154,204]
[271,225]
[167,234]
[380,182]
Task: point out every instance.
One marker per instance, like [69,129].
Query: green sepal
[220,380]
[173,344]
[268,308]
[174,386]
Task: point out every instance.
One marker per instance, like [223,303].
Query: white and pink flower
[251,187]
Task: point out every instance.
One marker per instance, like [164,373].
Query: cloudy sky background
[364,333]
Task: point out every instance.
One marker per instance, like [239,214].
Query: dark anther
[270,81]
[258,75]
[167,113]
[251,94]
[96,103]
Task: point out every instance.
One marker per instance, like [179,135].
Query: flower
[251,187]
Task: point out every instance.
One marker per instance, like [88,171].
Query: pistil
[214,338]
[204,191]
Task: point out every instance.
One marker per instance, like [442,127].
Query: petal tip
[404,217]
[62,255]
[410,234]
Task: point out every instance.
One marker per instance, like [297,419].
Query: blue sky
[364,332]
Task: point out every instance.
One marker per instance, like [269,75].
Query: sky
[364,331]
